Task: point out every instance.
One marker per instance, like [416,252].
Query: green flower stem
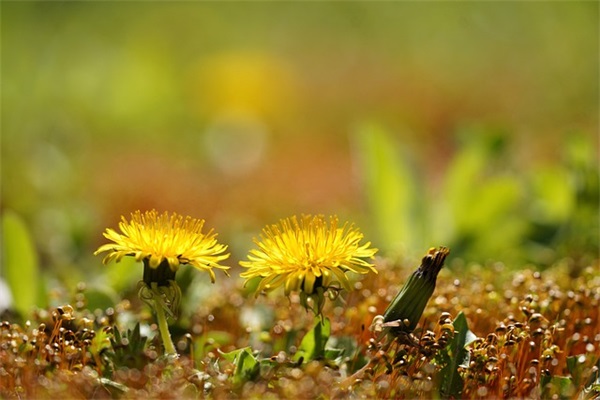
[163,327]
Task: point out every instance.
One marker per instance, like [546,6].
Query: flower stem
[163,327]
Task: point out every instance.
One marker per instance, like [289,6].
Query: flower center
[318,284]
[161,274]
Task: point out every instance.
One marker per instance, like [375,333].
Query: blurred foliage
[485,208]
[20,264]
[391,190]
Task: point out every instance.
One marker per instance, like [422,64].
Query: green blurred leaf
[114,388]
[42,290]
[127,348]
[592,387]
[345,348]
[390,189]
[462,177]
[313,343]
[576,367]
[572,364]
[20,262]
[334,356]
[456,356]
[124,275]
[485,204]
[101,297]
[210,341]
[553,195]
[560,387]
[477,195]
[246,365]
[490,203]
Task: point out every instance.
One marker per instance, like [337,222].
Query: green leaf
[553,197]
[463,173]
[594,379]
[101,297]
[128,347]
[210,341]
[20,262]
[390,188]
[333,354]
[123,275]
[313,343]
[341,350]
[116,389]
[456,356]
[560,387]
[576,367]
[246,365]
[485,213]
[572,364]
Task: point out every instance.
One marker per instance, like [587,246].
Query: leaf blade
[20,262]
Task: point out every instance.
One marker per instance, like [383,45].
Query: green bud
[404,312]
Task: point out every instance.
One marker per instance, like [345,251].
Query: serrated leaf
[246,365]
[231,355]
[470,338]
[313,343]
[457,356]
[202,344]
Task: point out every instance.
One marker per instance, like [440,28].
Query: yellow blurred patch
[253,83]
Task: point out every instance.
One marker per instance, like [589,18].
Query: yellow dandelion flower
[308,255]
[161,240]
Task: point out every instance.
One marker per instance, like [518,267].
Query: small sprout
[377,324]
[448,328]
[538,333]
[64,313]
[536,317]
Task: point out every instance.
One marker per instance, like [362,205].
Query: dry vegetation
[537,336]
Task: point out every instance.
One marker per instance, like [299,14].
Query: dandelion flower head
[307,253]
[158,238]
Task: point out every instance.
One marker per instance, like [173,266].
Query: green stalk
[404,312]
[161,293]
[163,327]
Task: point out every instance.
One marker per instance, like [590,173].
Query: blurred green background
[469,124]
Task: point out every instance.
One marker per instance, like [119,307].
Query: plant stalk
[163,327]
